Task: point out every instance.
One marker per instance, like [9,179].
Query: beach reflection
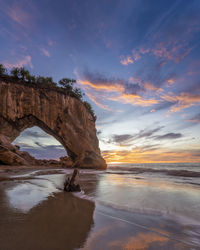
[150,195]
[111,234]
[140,241]
[25,196]
[60,222]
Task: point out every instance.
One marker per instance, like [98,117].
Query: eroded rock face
[61,116]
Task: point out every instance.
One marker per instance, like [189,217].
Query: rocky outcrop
[66,118]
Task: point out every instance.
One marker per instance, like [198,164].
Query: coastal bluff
[24,105]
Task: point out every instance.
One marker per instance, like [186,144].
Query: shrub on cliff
[67,84]
[23,73]
[15,72]
[3,70]
[46,81]
[78,93]
[89,108]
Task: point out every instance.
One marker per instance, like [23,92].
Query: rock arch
[64,117]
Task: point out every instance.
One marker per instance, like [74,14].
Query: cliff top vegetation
[65,85]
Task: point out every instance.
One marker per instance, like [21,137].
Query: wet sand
[36,214]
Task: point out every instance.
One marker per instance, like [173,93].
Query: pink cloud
[18,14]
[45,52]
[151,87]
[25,61]
[184,100]
[126,60]
[173,51]
[144,50]
[50,42]
[136,55]
[97,100]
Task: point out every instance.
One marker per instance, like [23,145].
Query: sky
[137,62]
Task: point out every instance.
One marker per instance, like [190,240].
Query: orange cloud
[105,88]
[151,87]
[170,82]
[184,100]
[111,87]
[26,61]
[134,99]
[96,100]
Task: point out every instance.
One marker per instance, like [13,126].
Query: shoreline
[94,225]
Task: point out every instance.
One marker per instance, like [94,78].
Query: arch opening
[40,144]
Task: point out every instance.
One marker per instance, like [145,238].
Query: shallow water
[127,207]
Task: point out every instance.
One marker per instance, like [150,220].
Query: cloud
[134,99]
[21,12]
[97,100]
[182,101]
[126,139]
[151,87]
[125,92]
[35,134]
[162,105]
[126,60]
[171,51]
[145,133]
[25,61]
[156,74]
[50,42]
[100,88]
[48,147]
[169,136]
[100,82]
[121,140]
[195,119]
[18,15]
[46,152]
[45,52]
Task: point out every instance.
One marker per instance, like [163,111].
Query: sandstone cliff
[66,118]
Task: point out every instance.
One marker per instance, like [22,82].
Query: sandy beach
[37,214]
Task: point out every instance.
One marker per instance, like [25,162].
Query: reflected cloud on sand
[140,241]
[60,222]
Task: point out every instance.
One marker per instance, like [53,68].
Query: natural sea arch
[65,118]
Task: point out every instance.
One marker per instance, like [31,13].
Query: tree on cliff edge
[67,84]
[2,70]
[15,72]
